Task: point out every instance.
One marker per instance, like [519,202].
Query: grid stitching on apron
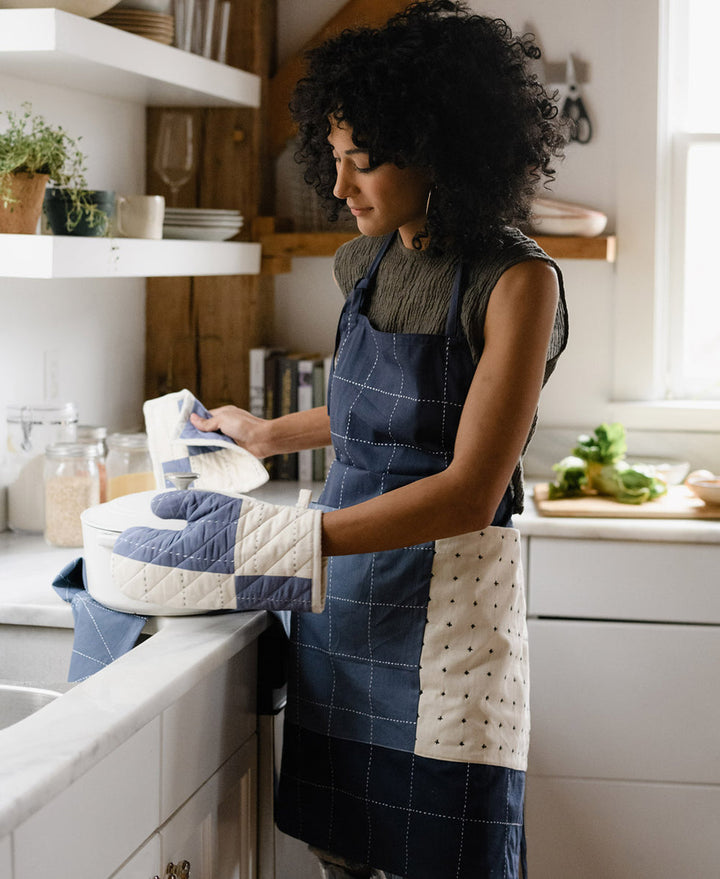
[409,810]
[410,399]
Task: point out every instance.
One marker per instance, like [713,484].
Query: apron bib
[407,723]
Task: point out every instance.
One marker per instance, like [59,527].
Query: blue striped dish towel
[176,446]
[101,634]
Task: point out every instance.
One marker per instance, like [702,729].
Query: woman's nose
[343,186]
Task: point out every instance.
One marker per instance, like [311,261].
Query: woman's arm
[262,437]
[494,426]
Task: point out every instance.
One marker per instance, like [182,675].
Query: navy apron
[407,723]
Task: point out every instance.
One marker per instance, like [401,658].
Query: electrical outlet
[51,374]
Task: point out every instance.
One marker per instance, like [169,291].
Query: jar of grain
[129,467]
[30,430]
[72,484]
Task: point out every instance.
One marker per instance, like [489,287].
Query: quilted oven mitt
[235,553]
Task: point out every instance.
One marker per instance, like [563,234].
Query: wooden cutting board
[678,503]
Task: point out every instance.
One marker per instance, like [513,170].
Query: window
[693,295]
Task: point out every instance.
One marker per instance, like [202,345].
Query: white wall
[580,393]
[93,329]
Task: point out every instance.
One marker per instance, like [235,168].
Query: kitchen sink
[39,654]
[18,701]
[34,662]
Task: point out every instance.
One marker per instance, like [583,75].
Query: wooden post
[199,330]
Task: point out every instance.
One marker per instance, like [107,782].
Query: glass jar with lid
[128,465]
[72,484]
[95,435]
[30,430]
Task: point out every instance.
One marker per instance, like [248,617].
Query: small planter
[91,219]
[21,214]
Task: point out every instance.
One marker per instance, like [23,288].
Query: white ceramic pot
[101,526]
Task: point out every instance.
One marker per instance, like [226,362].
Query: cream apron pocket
[474,677]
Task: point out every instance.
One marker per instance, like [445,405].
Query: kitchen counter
[531,523]
[44,754]
[48,751]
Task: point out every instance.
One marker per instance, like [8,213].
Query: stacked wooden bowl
[153,25]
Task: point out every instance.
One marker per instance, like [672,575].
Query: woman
[407,723]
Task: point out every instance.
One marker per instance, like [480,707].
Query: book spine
[271,398]
[318,455]
[329,451]
[305,369]
[287,462]
[257,381]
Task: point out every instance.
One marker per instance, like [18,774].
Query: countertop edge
[85,726]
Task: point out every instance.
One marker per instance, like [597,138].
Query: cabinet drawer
[203,728]
[91,828]
[614,830]
[630,701]
[5,862]
[624,580]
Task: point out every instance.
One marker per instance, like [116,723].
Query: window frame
[643,307]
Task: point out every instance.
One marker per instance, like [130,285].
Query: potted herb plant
[32,154]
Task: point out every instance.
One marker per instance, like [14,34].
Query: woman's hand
[248,431]
[263,437]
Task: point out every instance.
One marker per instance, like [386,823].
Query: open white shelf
[60,256]
[47,45]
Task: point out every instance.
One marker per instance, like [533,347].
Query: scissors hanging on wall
[573,107]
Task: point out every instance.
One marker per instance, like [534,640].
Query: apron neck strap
[453,326]
[363,286]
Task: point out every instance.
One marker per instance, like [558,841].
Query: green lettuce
[605,446]
[629,485]
[597,463]
[571,478]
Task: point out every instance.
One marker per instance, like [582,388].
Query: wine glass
[174,153]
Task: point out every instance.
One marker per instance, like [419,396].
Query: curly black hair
[440,88]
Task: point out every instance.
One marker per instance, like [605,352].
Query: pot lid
[128,511]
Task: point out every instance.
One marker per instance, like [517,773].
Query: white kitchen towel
[176,446]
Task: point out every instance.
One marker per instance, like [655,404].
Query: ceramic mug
[140,216]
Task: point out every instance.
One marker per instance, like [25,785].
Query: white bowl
[707,490]
[672,471]
[84,8]
[101,526]
[552,217]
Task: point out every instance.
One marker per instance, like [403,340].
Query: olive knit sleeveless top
[412,295]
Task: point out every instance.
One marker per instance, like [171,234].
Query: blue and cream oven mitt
[235,553]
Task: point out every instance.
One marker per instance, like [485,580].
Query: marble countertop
[44,753]
[531,523]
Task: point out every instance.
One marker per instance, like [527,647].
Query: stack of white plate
[153,25]
[205,224]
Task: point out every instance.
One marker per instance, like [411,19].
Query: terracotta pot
[21,217]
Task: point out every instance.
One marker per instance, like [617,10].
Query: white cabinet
[50,46]
[5,857]
[144,863]
[100,819]
[183,787]
[202,729]
[215,830]
[624,775]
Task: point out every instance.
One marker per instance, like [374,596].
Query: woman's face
[382,199]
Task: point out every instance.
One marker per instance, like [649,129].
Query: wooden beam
[371,13]
[199,330]
[279,247]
